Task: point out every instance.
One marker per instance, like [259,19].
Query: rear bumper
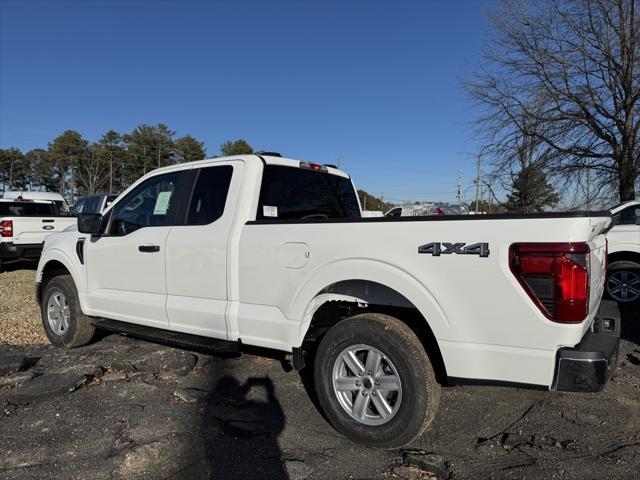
[587,366]
[11,251]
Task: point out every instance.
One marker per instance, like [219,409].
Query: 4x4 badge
[436,249]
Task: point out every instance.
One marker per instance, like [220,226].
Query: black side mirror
[89,223]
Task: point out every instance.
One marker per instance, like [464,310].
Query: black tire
[623,270]
[399,344]
[80,330]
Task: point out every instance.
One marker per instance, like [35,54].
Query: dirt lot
[124,408]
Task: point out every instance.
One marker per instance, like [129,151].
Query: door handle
[149,248]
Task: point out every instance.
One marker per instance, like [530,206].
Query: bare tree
[563,78]
[93,171]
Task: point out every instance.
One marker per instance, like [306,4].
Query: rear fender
[309,297]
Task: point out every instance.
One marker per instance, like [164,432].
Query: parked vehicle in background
[623,277]
[427,209]
[60,202]
[24,225]
[92,203]
[273,252]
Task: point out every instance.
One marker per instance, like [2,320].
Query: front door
[126,265]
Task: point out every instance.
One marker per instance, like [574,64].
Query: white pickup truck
[623,279]
[273,252]
[24,225]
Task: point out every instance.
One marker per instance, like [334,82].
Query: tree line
[74,166]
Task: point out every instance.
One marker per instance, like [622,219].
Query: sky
[374,86]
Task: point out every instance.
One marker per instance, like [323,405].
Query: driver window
[148,205]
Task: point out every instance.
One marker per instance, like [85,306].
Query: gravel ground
[121,408]
[19,314]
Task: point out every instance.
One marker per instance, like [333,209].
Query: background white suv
[623,280]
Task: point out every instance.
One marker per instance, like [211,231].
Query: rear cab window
[294,193]
[27,209]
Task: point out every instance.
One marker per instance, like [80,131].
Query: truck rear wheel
[62,319]
[375,382]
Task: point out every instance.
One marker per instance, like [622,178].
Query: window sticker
[162,203]
[269,211]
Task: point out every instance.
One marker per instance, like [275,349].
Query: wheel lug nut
[377,383]
[360,372]
[365,393]
[373,393]
[358,384]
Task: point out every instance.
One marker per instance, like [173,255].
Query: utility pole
[459,189]
[478,185]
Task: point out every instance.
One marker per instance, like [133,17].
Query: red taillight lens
[6,228]
[556,277]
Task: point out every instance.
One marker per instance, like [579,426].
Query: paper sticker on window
[162,203]
[269,211]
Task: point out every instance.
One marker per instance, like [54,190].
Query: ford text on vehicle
[273,252]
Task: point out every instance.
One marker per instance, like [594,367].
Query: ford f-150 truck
[24,225]
[273,252]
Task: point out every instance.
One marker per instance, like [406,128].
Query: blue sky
[375,84]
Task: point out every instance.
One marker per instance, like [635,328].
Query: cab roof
[257,158]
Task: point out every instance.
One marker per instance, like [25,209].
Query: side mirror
[89,223]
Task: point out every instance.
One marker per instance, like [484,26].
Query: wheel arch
[347,297]
[55,264]
[624,258]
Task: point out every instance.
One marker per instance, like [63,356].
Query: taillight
[6,228]
[555,276]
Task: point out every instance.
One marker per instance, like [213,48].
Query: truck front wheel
[62,319]
[375,382]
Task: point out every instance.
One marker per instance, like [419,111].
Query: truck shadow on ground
[242,424]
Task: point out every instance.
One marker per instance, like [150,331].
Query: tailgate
[33,230]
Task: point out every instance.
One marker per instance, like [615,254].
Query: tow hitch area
[587,366]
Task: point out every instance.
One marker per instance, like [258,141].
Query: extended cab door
[197,251]
[126,265]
